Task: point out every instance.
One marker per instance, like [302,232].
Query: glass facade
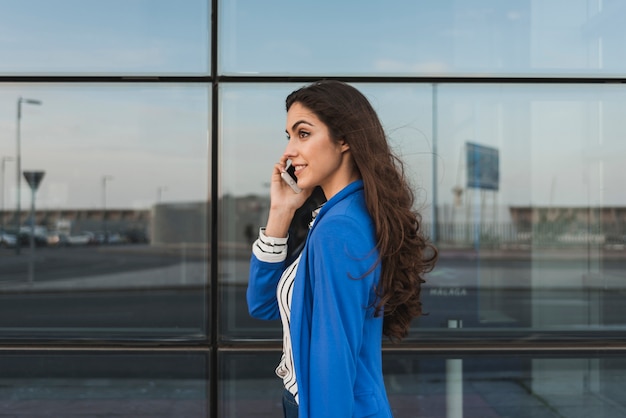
[136,143]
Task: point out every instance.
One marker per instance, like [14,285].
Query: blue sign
[483,167]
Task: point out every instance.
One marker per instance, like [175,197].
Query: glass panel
[120,225]
[121,384]
[437,386]
[408,37]
[253,138]
[498,386]
[248,385]
[531,220]
[116,36]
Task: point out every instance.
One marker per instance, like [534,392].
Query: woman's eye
[287,136]
[303,134]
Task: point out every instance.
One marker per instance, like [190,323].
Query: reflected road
[142,292]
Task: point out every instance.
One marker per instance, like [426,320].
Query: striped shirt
[272,249]
[284,292]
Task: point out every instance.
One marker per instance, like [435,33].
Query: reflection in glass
[544,248]
[525,206]
[420,385]
[408,38]
[143,37]
[251,139]
[120,224]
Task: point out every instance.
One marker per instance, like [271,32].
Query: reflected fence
[175,223]
[511,236]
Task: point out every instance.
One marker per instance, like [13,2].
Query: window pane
[121,384]
[504,385]
[253,138]
[120,225]
[112,37]
[437,386]
[538,244]
[408,37]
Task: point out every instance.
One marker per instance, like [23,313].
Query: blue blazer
[335,337]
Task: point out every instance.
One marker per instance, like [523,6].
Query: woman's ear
[344,145]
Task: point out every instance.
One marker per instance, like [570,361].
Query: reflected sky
[147,137]
[407,37]
[559,145]
[398,37]
[388,37]
[113,36]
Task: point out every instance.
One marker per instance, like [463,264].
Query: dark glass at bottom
[78,384]
[478,386]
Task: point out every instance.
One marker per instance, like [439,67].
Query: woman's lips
[298,168]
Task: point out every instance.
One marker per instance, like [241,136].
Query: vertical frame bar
[213,221]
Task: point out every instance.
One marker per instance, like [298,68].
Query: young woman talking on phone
[359,274]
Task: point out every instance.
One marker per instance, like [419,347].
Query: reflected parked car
[40,236]
[136,236]
[115,238]
[7,240]
[63,239]
[55,238]
[78,239]
[108,237]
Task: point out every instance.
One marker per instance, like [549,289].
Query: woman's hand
[281,194]
[283,202]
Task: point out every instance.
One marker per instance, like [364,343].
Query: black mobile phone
[290,178]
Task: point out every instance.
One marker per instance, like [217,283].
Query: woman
[358,276]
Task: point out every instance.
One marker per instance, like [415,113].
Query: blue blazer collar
[350,189]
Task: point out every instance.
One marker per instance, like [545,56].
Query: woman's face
[318,160]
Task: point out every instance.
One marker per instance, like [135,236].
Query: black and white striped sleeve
[270,249]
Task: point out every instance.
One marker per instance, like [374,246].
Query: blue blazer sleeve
[342,262]
[261,292]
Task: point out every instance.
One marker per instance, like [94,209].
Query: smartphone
[290,178]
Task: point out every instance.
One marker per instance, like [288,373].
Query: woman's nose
[291,149]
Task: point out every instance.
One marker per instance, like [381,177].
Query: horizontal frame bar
[287,79]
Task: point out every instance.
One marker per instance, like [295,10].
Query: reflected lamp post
[105,178]
[18,160]
[160,191]
[4,161]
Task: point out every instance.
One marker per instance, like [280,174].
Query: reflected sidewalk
[148,267]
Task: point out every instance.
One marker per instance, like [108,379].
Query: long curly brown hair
[405,253]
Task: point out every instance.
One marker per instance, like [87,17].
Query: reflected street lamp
[160,191]
[104,206]
[18,160]
[4,161]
